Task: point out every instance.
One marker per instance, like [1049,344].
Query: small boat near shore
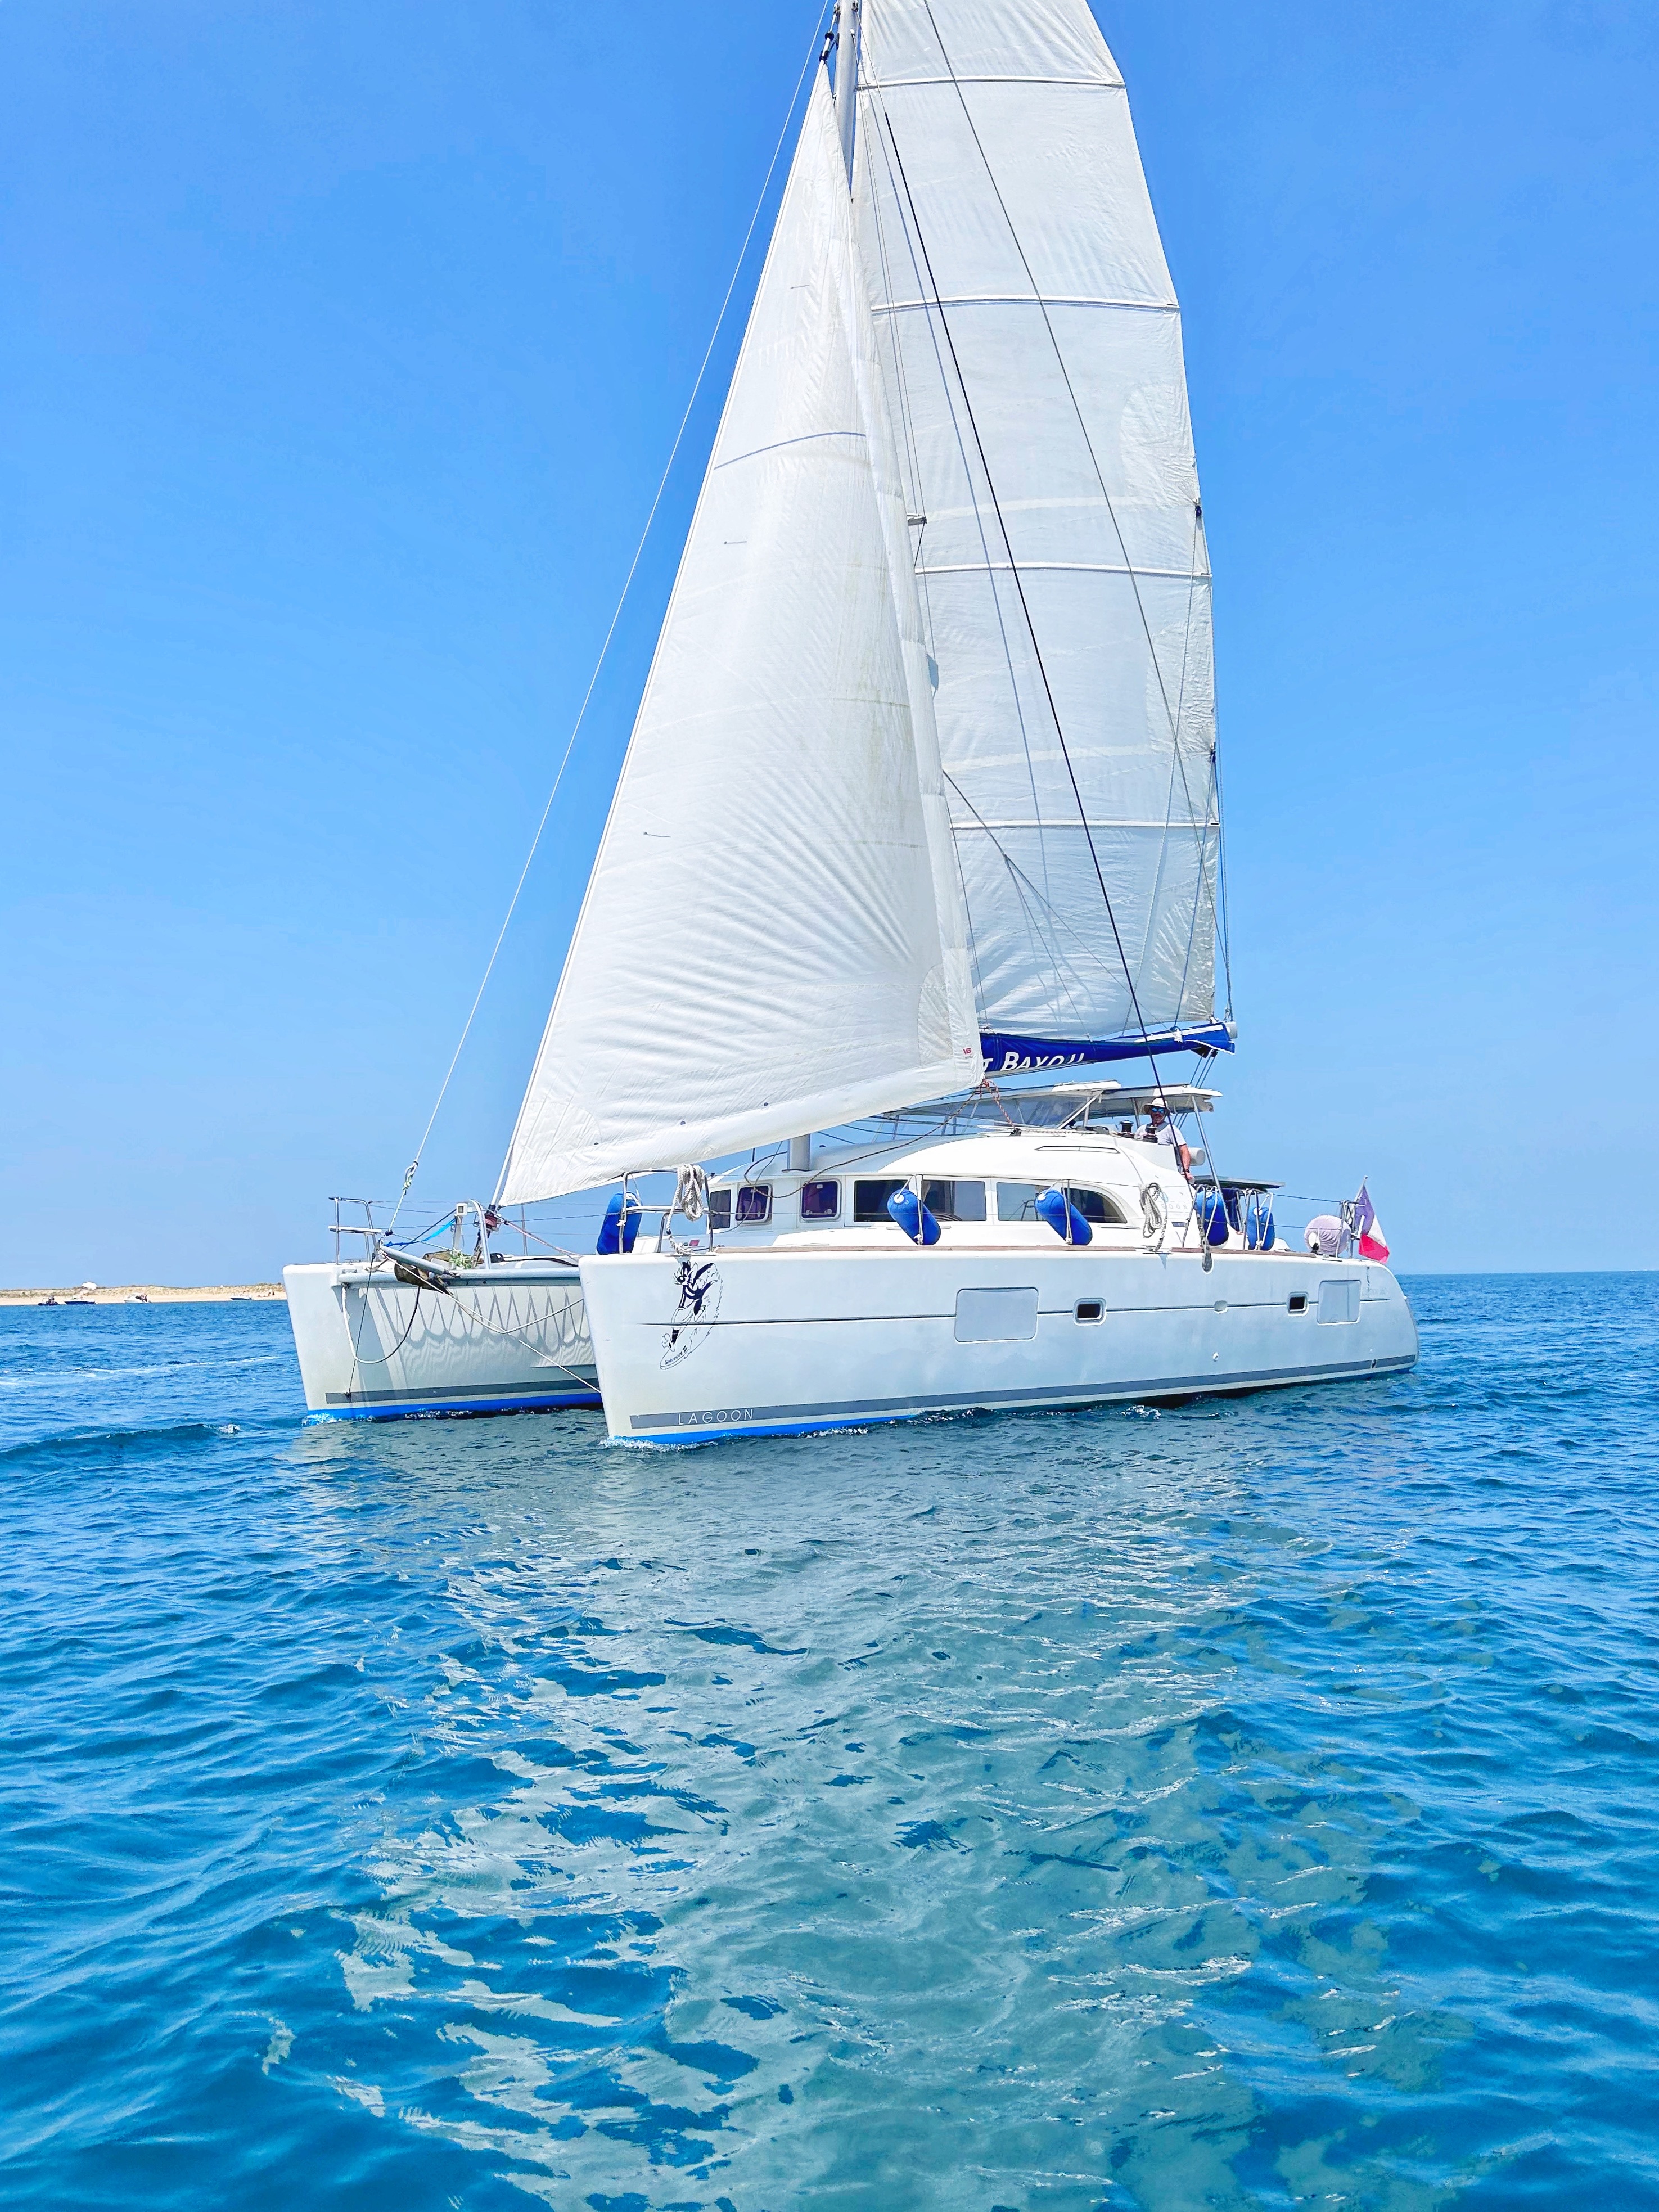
[920,804]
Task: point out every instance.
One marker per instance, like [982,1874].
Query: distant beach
[154,1294]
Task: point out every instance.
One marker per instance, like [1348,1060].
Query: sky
[341,352]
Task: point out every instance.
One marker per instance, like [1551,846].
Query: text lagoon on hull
[922,798]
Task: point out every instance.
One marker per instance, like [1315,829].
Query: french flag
[1373,1245]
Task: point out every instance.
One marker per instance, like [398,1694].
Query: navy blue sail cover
[1006,1055]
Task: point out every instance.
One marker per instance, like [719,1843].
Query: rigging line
[1064,749]
[1203,851]
[1218,892]
[1221,880]
[357,1360]
[890,154]
[1029,907]
[907,423]
[1019,879]
[916,488]
[1043,305]
[627,585]
[462,1314]
[1212,807]
[1169,804]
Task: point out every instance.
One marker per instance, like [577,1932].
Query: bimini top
[1116,1102]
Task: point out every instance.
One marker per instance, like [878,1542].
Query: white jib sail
[773,938]
[1030,341]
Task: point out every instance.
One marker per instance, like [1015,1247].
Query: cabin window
[1299,1303]
[820,1201]
[754,1204]
[954,1201]
[720,1209]
[1091,1308]
[1017,1201]
[1095,1205]
[1340,1302]
[870,1198]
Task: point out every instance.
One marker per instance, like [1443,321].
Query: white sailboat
[921,799]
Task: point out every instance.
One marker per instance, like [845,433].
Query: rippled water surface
[1250,1804]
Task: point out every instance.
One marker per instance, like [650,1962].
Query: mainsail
[1030,343]
[773,938]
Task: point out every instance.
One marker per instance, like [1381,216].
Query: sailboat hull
[773,1343]
[371,1348]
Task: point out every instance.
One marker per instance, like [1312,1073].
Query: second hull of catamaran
[786,1341]
[504,1338]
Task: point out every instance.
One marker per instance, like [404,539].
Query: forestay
[1029,343]
[773,938]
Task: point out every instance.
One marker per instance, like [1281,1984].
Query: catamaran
[920,804]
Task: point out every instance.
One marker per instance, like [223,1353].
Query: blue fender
[913,1218]
[1259,1222]
[1063,1217]
[620,1224]
[1212,1217]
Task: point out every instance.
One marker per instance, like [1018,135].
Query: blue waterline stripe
[410,1408]
[793,1420]
[443,1392]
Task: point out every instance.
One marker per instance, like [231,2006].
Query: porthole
[1299,1303]
[1091,1308]
[754,1204]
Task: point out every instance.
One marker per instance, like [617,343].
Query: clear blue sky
[342,349]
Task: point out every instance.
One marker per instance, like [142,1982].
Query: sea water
[1250,1803]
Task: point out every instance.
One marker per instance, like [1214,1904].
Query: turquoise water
[1250,1804]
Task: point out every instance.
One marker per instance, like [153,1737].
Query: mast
[847,13]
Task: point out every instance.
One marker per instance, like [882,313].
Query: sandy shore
[154,1294]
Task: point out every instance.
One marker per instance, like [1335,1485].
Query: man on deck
[1162,1130]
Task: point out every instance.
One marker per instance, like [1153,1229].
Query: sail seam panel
[917,503]
[1029,300]
[1096,822]
[1178,763]
[1031,626]
[912,239]
[1059,966]
[1060,569]
[902,84]
[1062,964]
[1180,709]
[777,445]
[1038,302]
[1002,681]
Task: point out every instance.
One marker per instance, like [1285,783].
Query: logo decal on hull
[698,1309]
